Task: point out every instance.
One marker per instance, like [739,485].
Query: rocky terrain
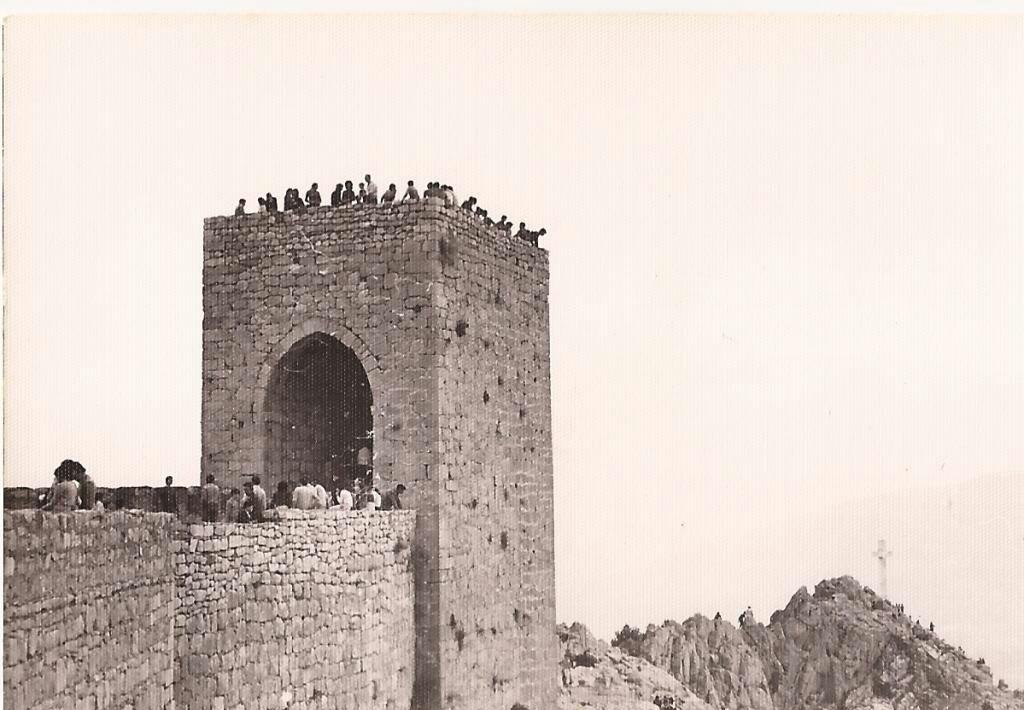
[841,648]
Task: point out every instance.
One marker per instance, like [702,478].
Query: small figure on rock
[391,500]
[240,210]
[718,616]
[538,235]
[389,194]
[931,626]
[371,191]
[210,497]
[469,204]
[313,195]
[747,617]
[411,193]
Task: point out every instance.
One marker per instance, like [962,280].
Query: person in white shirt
[344,499]
[304,497]
[371,191]
[320,495]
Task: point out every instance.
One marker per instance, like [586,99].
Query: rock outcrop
[841,648]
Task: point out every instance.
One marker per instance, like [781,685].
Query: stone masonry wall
[314,611]
[449,319]
[89,603]
[363,275]
[496,507]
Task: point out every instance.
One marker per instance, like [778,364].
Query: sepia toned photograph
[513,361]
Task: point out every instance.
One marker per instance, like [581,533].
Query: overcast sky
[786,271]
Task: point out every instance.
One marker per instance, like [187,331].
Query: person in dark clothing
[349,195]
[281,496]
[271,203]
[391,499]
[718,616]
[336,195]
[469,204]
[165,496]
[389,194]
[523,233]
[504,225]
[313,196]
[240,210]
[538,235]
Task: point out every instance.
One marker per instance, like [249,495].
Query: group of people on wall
[252,506]
[73,489]
[345,195]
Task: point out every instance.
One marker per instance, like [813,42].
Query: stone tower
[413,338]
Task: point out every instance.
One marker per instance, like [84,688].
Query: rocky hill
[840,648]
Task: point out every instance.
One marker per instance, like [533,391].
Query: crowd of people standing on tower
[344,195]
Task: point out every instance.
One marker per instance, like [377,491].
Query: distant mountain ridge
[841,648]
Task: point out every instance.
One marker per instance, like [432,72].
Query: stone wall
[449,319]
[496,550]
[89,603]
[315,610]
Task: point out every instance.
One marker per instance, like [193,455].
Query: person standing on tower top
[313,196]
[210,497]
[349,195]
[371,191]
[336,195]
[240,210]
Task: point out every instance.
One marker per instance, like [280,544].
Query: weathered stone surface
[89,603]
[449,319]
[317,606]
[841,647]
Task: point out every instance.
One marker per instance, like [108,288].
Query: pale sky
[787,271]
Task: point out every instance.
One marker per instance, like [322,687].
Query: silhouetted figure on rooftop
[165,496]
[449,195]
[349,195]
[523,233]
[336,195]
[503,224]
[538,235]
[469,204]
[271,203]
[313,196]
[362,194]
[389,194]
[411,193]
[262,202]
[240,210]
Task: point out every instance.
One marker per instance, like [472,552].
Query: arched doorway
[317,415]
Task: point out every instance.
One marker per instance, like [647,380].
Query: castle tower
[416,338]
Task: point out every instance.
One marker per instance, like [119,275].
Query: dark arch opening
[318,415]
